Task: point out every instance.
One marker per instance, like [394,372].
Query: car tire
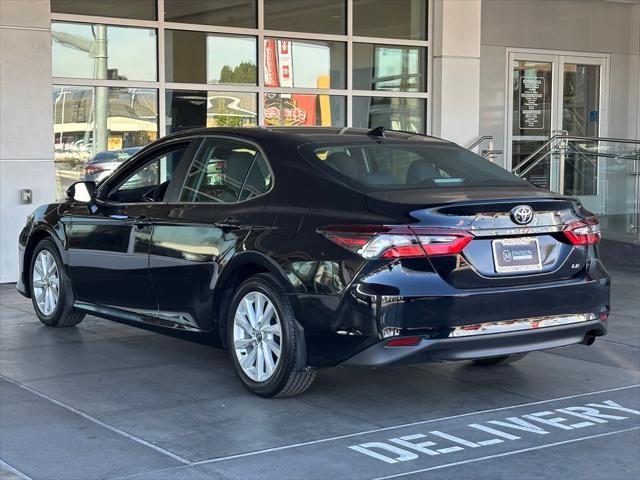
[51,291]
[502,360]
[266,343]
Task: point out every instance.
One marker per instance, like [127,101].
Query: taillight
[371,241]
[442,242]
[91,169]
[584,232]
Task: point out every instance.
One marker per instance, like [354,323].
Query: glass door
[581,111]
[532,111]
[550,94]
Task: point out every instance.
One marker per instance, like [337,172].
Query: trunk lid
[503,252]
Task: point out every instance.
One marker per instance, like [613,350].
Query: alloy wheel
[46,282]
[257,336]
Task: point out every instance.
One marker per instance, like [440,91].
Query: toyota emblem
[522,214]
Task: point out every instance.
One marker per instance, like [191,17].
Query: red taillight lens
[91,169]
[584,232]
[370,241]
[404,342]
[443,242]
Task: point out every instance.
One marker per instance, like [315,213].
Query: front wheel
[51,292]
[265,342]
[502,360]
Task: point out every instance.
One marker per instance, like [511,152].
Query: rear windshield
[390,166]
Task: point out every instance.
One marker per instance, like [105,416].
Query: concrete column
[456,69]
[26,134]
[636,42]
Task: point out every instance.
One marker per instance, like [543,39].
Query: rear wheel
[51,292]
[502,360]
[265,342]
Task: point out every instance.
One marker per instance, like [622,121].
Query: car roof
[303,135]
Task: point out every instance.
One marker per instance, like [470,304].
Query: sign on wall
[531,111]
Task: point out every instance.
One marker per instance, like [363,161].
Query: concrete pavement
[106,400]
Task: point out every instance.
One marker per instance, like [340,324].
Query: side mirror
[82,192]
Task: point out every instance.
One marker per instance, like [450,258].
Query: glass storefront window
[304,63]
[225,13]
[304,80]
[199,108]
[313,16]
[401,113]
[296,109]
[389,68]
[199,57]
[231,60]
[405,19]
[95,124]
[104,52]
[138,9]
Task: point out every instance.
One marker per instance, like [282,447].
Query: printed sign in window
[531,103]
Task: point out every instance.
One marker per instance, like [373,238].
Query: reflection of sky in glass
[230,51]
[132,51]
[389,61]
[310,61]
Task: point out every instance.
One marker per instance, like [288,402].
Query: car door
[209,218]
[108,241]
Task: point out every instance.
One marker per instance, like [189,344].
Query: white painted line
[422,422]
[14,470]
[506,454]
[620,344]
[98,422]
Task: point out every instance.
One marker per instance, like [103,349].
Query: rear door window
[226,171]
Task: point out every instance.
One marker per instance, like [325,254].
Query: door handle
[229,223]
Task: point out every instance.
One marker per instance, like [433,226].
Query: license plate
[516,255]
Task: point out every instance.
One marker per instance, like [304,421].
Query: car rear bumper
[477,346]
[340,328]
[465,307]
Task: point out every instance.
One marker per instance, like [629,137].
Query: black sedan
[304,248]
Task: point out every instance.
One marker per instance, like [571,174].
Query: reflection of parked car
[104,163]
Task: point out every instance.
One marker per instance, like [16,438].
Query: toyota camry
[305,248]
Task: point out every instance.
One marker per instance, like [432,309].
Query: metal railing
[559,142]
[490,152]
[603,172]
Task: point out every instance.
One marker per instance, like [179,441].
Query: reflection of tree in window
[243,73]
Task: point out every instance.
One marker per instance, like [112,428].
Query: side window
[220,171]
[149,183]
[258,181]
